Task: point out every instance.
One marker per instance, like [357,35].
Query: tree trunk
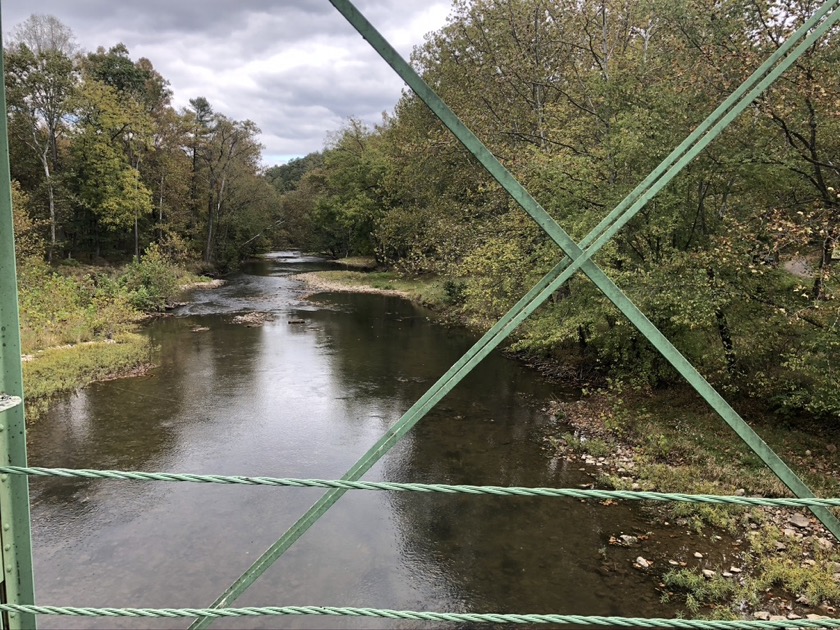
[724,332]
[208,248]
[214,213]
[52,219]
[726,341]
[51,194]
[818,291]
[160,210]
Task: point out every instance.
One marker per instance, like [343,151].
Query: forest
[734,261]
[107,167]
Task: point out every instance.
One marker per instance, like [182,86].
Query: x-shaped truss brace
[579,258]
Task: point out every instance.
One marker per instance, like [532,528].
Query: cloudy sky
[295,67]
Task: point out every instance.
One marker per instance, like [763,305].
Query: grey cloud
[294,67]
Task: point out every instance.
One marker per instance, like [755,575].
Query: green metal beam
[15,534]
[681,156]
[581,259]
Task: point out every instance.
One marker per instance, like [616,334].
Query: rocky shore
[768,564]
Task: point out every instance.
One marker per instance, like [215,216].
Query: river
[306,400]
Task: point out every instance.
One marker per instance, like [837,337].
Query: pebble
[636,486]
[780,546]
[673,563]
[735,569]
[825,543]
[697,554]
[708,574]
[799,520]
[726,574]
[813,617]
[642,562]
[790,533]
[629,540]
[793,615]
[761,615]
[740,492]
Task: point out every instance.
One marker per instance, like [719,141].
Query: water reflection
[307,400]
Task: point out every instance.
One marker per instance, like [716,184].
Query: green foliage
[55,309]
[817,584]
[81,304]
[28,241]
[732,260]
[76,323]
[113,130]
[699,590]
[593,446]
[455,292]
[101,154]
[286,177]
[151,282]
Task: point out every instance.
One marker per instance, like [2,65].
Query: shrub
[151,282]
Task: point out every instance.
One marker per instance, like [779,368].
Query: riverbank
[78,322]
[774,564]
[65,369]
[788,564]
[428,292]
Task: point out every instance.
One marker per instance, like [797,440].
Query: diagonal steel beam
[681,156]
[580,259]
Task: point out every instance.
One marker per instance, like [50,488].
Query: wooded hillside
[734,260]
[107,166]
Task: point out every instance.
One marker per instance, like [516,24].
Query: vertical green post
[18,585]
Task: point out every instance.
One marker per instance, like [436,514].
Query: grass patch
[700,591]
[65,369]
[427,290]
[361,263]
[596,447]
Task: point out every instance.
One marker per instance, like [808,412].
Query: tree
[40,87]
[44,33]
[286,177]
[231,150]
[111,135]
[115,69]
